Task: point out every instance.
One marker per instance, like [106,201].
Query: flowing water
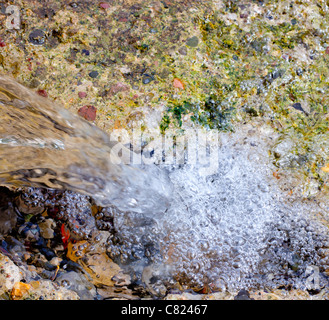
[43,145]
[229,229]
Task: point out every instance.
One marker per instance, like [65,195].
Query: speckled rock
[9,274]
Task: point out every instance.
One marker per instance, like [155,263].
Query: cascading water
[43,145]
[229,229]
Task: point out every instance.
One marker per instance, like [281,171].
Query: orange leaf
[178,84]
[75,251]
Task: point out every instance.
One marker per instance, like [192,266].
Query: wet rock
[29,232]
[243,295]
[20,291]
[8,217]
[153,281]
[37,37]
[104,219]
[31,201]
[47,228]
[78,283]
[48,290]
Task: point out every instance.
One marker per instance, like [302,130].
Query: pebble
[147,80]
[93,74]
[37,37]
[119,87]
[46,228]
[104,5]
[82,94]
[243,295]
[192,42]
[42,93]
[85,52]
[88,112]
[78,283]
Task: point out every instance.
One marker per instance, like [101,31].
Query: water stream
[230,229]
[43,145]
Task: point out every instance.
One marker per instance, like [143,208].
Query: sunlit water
[229,229]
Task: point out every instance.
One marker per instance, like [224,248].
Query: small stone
[42,93]
[178,84]
[93,74]
[46,228]
[88,112]
[243,295]
[85,52]
[182,51]
[104,5]
[299,72]
[118,87]
[293,21]
[146,80]
[192,42]
[82,94]
[2,44]
[37,37]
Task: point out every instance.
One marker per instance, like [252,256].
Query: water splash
[43,145]
[230,230]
